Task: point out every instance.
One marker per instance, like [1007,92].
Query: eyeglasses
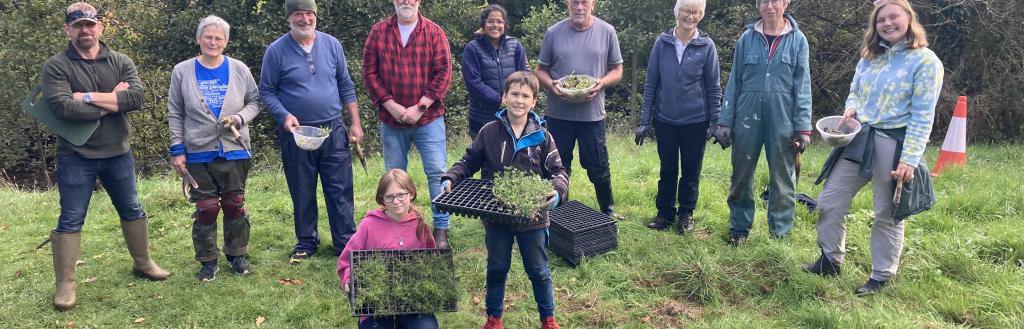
[765,3]
[690,13]
[309,58]
[494,22]
[400,196]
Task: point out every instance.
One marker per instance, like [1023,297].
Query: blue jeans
[408,321]
[533,248]
[431,142]
[76,180]
[332,163]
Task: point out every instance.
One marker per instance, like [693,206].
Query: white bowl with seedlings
[837,130]
[310,138]
[576,87]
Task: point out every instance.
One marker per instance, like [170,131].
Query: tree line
[980,42]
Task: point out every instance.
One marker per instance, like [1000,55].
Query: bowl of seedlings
[837,130]
[310,138]
[576,87]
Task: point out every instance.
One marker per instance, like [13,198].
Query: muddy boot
[605,199]
[441,238]
[66,247]
[136,236]
[204,241]
[236,243]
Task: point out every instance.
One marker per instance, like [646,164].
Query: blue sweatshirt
[313,87]
[899,88]
[682,93]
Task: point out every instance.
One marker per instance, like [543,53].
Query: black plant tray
[474,198]
[391,258]
[578,231]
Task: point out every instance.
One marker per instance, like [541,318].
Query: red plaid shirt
[403,74]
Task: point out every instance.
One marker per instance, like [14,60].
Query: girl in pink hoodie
[397,224]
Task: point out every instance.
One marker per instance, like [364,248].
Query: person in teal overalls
[767,102]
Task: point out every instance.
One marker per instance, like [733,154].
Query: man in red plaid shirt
[407,70]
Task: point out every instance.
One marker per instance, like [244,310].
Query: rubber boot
[204,241]
[66,247]
[441,237]
[605,199]
[136,236]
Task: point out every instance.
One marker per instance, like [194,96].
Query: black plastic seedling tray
[474,198]
[579,231]
[391,259]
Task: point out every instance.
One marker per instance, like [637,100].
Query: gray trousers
[834,203]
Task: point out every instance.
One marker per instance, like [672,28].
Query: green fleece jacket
[67,73]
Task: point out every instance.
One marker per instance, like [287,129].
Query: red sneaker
[494,322]
[549,323]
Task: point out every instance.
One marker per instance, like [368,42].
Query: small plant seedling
[402,282]
[521,192]
[576,82]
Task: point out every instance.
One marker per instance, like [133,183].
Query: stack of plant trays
[577,231]
[392,259]
[474,198]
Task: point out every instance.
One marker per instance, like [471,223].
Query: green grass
[962,265]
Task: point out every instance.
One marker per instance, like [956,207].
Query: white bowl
[308,138]
[847,130]
[576,95]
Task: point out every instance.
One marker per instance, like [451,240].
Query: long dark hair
[487,12]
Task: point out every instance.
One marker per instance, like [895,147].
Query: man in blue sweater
[305,81]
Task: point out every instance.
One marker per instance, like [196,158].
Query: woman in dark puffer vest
[488,59]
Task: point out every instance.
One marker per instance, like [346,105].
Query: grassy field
[963,263]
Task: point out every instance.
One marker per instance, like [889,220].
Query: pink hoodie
[378,231]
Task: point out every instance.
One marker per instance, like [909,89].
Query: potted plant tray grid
[579,231]
[406,281]
[473,198]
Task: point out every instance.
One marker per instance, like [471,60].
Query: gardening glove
[553,200]
[800,142]
[724,136]
[641,132]
[446,185]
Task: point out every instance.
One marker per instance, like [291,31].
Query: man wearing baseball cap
[305,81]
[89,82]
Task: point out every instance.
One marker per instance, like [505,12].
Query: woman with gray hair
[682,99]
[211,100]
[767,103]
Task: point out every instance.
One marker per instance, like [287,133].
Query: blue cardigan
[682,93]
[484,70]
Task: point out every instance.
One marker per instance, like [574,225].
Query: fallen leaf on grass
[131,284]
[79,263]
[90,280]
[476,300]
[260,320]
[290,282]
[18,274]
[70,324]
[646,319]
[5,227]
[139,320]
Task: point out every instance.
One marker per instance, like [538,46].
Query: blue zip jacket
[682,93]
[484,70]
[781,84]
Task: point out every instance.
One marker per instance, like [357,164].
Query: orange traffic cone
[954,148]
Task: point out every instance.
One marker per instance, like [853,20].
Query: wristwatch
[87,98]
[421,107]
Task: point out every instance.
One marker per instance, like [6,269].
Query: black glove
[800,142]
[641,132]
[723,136]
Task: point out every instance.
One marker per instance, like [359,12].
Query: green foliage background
[980,42]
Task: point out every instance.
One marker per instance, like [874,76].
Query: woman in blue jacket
[767,102]
[488,59]
[682,96]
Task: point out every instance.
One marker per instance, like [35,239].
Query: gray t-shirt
[592,51]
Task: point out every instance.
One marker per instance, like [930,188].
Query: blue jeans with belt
[432,144]
[533,248]
[76,180]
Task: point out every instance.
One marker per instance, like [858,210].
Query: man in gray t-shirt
[582,44]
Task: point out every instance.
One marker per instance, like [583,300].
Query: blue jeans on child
[408,321]
[76,180]
[431,142]
[533,248]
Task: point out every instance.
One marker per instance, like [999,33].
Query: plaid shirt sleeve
[370,70]
[440,65]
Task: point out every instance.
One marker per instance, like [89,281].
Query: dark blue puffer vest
[495,66]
